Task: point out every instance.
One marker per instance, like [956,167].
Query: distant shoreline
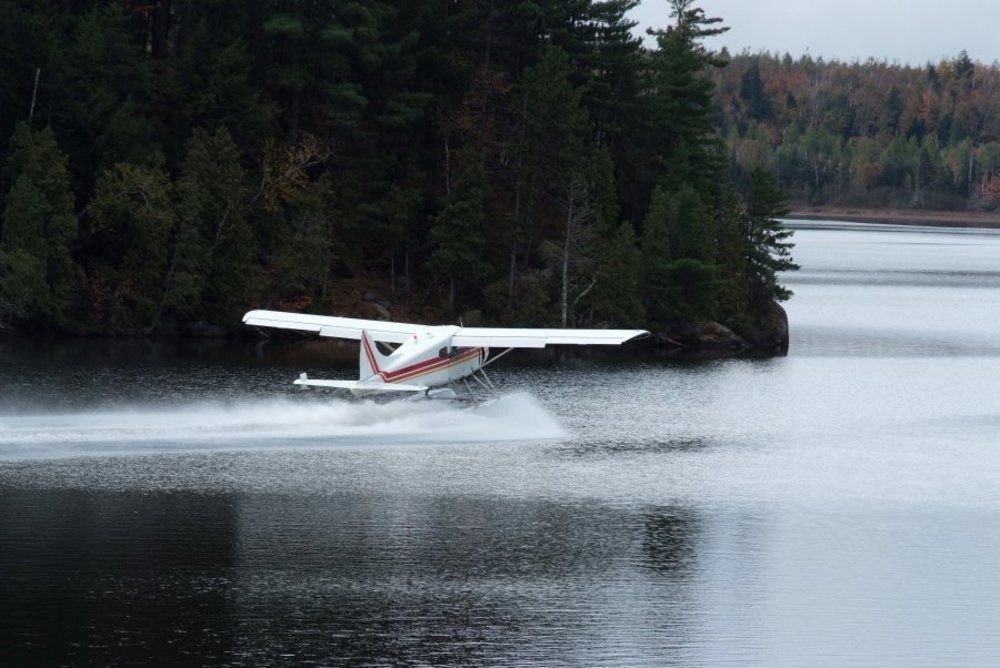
[981,219]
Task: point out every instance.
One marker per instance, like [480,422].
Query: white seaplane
[426,359]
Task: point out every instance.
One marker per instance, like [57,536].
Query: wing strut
[493,359]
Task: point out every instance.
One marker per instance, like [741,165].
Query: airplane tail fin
[370,359]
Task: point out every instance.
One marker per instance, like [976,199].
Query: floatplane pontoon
[426,359]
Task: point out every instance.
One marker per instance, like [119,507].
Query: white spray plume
[273,423]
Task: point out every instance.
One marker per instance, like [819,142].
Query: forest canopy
[176,163]
[866,133]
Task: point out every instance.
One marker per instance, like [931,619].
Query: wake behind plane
[426,359]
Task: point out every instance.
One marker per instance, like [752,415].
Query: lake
[839,506]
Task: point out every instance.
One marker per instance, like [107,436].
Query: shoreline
[690,340]
[981,219]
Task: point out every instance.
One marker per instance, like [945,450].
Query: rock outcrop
[696,336]
[775,330]
[709,337]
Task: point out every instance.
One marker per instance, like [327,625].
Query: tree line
[866,133]
[178,162]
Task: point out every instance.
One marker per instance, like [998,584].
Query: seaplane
[424,360]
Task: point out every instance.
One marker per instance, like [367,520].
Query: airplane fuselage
[427,359]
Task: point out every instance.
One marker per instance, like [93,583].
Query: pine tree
[24,292]
[458,237]
[658,291]
[211,271]
[697,288]
[612,94]
[302,263]
[552,161]
[39,227]
[687,159]
[752,92]
[894,107]
[680,108]
[610,261]
[213,177]
[131,219]
[616,298]
[965,69]
[212,76]
[768,251]
[103,93]
[692,228]
[731,262]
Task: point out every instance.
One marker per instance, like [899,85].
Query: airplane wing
[333,326]
[465,337]
[501,337]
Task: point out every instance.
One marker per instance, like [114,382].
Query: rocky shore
[712,339]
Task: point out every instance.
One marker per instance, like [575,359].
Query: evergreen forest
[865,134]
[166,165]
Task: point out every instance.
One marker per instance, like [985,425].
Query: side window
[443,352]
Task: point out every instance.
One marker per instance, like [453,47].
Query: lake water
[840,506]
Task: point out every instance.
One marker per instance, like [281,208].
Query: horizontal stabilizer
[305,381]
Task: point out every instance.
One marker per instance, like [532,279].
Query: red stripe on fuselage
[427,366]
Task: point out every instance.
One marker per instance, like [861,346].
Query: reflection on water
[98,578]
[669,543]
[838,506]
[435,580]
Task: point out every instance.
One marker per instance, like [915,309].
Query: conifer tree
[458,237]
[555,129]
[131,218]
[753,93]
[611,261]
[213,174]
[218,90]
[731,261]
[103,92]
[552,164]
[39,226]
[211,272]
[616,299]
[681,105]
[612,94]
[24,292]
[302,262]
[768,251]
[658,291]
[697,287]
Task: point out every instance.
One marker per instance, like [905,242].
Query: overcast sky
[908,31]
